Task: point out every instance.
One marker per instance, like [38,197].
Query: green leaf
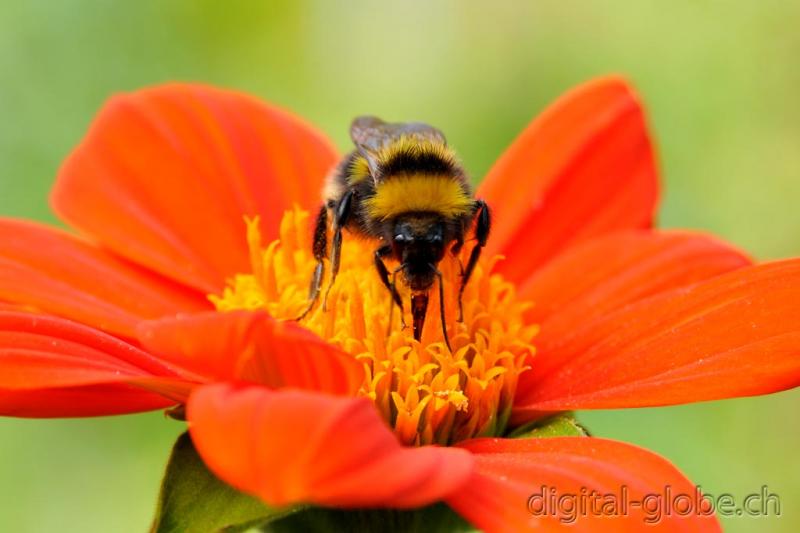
[437,518]
[560,425]
[193,499]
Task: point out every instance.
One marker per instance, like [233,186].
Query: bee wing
[367,133]
[371,134]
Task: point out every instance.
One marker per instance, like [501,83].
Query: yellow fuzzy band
[419,192]
[413,144]
[358,170]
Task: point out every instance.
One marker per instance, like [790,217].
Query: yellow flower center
[426,393]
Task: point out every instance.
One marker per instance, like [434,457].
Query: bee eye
[401,238]
[436,239]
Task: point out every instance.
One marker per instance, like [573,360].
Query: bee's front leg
[442,314]
[483,224]
[383,273]
[456,251]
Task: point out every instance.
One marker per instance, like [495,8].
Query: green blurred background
[720,79]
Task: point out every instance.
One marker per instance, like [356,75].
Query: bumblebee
[402,187]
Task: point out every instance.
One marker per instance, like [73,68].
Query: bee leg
[482,227]
[441,308]
[383,273]
[456,251]
[397,297]
[460,291]
[319,249]
[341,217]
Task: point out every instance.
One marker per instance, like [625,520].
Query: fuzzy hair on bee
[404,188]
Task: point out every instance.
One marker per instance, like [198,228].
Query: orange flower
[193,202]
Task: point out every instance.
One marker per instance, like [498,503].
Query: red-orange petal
[734,335]
[166,174]
[52,271]
[607,273]
[583,168]
[295,446]
[508,472]
[252,346]
[45,358]
[81,401]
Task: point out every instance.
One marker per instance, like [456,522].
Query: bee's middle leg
[319,249]
[342,214]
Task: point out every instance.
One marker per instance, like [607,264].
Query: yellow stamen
[428,394]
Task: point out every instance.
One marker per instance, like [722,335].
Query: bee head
[418,243]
